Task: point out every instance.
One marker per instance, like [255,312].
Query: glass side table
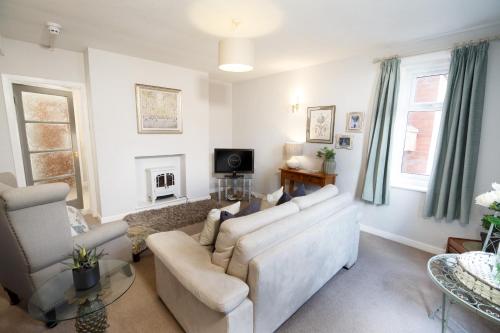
[440,269]
[234,188]
[57,300]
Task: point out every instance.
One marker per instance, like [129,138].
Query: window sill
[409,187]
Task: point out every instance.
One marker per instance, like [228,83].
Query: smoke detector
[54,28]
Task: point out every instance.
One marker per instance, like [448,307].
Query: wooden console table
[305,177]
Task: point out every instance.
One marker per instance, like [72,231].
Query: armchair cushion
[102,234]
[190,264]
[25,197]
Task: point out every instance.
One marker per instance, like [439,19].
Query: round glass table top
[58,300]
[441,270]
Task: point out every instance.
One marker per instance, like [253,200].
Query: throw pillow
[211,226]
[271,199]
[253,207]
[299,192]
[284,198]
[76,221]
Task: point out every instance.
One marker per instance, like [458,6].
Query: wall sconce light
[296,101]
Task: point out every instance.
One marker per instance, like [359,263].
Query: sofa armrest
[24,197]
[102,234]
[192,266]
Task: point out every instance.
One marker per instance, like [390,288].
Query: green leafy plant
[326,153]
[84,258]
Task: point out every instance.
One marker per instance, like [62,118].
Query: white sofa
[263,268]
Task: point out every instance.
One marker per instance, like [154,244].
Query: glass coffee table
[441,271]
[57,300]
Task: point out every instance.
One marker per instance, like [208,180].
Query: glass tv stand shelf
[234,188]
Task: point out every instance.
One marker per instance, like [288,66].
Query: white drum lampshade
[293,149]
[236,55]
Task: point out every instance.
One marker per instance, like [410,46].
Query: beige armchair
[35,236]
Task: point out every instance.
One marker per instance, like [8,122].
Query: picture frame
[159,109]
[343,141]
[320,124]
[355,121]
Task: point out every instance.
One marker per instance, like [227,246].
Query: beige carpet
[386,291]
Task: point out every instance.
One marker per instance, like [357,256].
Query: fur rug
[174,217]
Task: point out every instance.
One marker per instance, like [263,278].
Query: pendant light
[236,54]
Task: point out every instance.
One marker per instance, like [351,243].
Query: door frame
[83,124]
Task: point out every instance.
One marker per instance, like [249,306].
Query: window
[418,117]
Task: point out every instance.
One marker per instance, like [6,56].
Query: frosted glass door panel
[48,137]
[43,107]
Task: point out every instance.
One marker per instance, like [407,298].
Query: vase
[86,278]
[329,166]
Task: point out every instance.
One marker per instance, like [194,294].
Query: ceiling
[289,34]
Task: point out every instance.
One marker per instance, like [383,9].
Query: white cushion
[270,200]
[232,229]
[211,226]
[76,221]
[326,192]
[251,245]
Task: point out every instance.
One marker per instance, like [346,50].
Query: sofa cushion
[284,198]
[233,229]
[255,243]
[271,199]
[322,194]
[211,225]
[190,264]
[300,191]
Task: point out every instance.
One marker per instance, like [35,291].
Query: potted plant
[328,156]
[85,267]
[490,222]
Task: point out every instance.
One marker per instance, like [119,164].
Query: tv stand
[234,175]
[234,187]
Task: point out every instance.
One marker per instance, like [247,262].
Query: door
[47,132]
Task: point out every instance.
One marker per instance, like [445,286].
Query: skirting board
[402,240]
[111,218]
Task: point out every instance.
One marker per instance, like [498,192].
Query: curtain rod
[459,44]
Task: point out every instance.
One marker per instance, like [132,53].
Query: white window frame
[412,68]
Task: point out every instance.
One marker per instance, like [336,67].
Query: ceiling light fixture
[236,54]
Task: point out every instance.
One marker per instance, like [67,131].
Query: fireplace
[162,182]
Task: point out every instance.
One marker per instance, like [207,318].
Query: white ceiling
[289,34]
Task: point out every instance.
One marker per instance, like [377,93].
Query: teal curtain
[454,172]
[376,183]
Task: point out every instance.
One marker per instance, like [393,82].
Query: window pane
[42,107]
[430,89]
[421,129]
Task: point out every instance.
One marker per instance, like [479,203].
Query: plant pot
[329,166]
[86,278]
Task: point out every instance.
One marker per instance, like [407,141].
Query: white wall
[112,78]
[31,60]
[221,122]
[262,120]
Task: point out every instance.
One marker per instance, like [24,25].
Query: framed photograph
[355,121]
[343,141]
[320,124]
[158,109]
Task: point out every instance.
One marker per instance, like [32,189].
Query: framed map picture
[158,109]
[320,124]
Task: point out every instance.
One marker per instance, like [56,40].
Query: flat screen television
[233,161]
